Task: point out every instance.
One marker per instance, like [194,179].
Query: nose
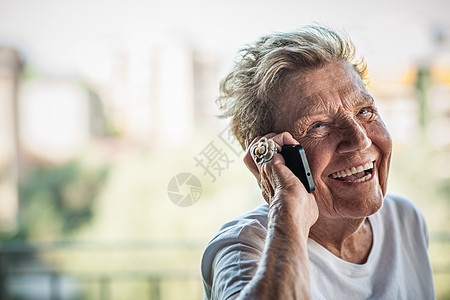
[354,138]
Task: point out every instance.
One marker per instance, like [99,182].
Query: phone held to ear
[295,158]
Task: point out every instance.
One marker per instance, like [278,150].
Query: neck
[348,239]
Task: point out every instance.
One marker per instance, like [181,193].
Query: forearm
[283,272]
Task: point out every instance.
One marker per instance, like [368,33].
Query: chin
[353,208]
[365,208]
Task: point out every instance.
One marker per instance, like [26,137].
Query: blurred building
[54,120]
[156,93]
[149,95]
[10,69]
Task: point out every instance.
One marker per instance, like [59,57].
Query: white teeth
[364,178]
[354,170]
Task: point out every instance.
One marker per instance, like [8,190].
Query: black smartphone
[295,158]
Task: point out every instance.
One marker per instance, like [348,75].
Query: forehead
[334,85]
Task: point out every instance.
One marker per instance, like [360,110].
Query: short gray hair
[249,91]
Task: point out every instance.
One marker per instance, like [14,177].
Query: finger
[281,178]
[280,139]
[267,188]
[275,170]
[270,173]
[284,138]
[249,160]
[266,173]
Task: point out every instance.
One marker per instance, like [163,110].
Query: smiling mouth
[356,174]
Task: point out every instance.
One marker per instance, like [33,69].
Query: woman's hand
[281,189]
[283,272]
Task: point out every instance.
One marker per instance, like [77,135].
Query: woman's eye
[366,113]
[317,125]
[318,129]
[364,110]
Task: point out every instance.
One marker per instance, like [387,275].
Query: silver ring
[264,150]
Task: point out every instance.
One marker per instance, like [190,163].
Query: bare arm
[283,272]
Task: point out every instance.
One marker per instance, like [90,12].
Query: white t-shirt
[397,267]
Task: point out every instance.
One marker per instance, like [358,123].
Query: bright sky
[53,34]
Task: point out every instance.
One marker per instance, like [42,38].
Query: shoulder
[400,206]
[401,215]
[249,229]
[250,225]
[245,233]
[402,247]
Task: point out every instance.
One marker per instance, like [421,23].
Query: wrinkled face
[330,113]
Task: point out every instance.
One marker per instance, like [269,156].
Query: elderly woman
[347,239]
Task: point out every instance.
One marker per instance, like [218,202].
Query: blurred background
[114,169]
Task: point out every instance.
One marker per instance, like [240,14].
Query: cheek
[380,136]
[318,155]
[383,141]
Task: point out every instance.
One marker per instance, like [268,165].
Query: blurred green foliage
[57,201]
[419,172]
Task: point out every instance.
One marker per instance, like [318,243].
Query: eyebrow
[362,96]
[319,107]
[315,107]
